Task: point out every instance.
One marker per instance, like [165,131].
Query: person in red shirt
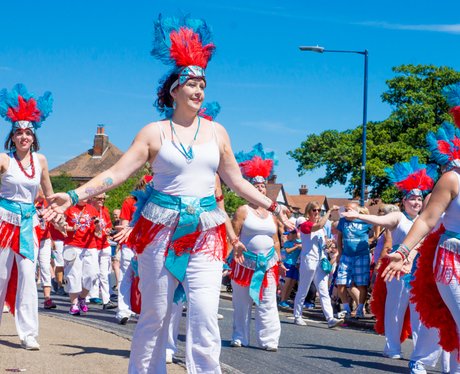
[44,251]
[80,254]
[104,225]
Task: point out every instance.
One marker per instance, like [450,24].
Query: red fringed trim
[9,236]
[378,300]
[425,295]
[143,233]
[184,244]
[242,276]
[447,266]
[11,290]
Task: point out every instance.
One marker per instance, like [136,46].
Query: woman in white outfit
[313,237]
[256,279]
[22,170]
[413,180]
[179,235]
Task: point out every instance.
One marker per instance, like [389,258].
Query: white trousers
[124,283]
[267,321]
[173,330]
[450,293]
[58,248]
[82,271]
[101,286]
[311,271]
[44,262]
[157,285]
[426,348]
[26,316]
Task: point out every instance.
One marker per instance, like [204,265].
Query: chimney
[272,179]
[101,142]
[303,190]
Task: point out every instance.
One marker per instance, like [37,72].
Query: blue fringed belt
[26,232]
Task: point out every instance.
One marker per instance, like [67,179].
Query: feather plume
[25,111]
[256,167]
[210,110]
[182,41]
[407,176]
[444,145]
[455,111]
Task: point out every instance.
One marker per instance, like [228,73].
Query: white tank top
[257,233]
[451,219]
[16,186]
[174,175]
[400,232]
[312,244]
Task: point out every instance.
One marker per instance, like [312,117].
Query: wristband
[219,198]
[272,207]
[403,251]
[234,241]
[73,197]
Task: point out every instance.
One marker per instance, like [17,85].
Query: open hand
[123,235]
[284,218]
[58,204]
[394,267]
[238,249]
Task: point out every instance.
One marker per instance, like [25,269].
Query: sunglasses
[316,210]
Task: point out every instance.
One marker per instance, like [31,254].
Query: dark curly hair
[9,144]
[164,98]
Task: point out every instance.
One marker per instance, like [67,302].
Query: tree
[231,200]
[419,107]
[62,183]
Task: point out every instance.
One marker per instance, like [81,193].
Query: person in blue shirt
[354,259]
[290,253]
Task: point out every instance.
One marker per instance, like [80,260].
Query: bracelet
[234,241]
[402,256]
[403,250]
[73,196]
[272,207]
[219,198]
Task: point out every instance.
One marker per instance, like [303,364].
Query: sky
[94,56]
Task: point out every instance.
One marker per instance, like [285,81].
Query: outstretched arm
[389,221]
[143,149]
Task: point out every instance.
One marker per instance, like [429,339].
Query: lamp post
[365,53]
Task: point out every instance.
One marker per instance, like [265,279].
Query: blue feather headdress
[444,145]
[256,165]
[21,108]
[209,111]
[452,95]
[413,178]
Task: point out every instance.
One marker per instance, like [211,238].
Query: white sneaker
[394,357]
[235,343]
[344,314]
[6,309]
[300,321]
[220,316]
[30,343]
[271,349]
[333,322]
[416,368]
[169,356]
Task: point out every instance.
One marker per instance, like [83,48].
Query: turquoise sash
[451,234]
[26,232]
[260,269]
[190,209]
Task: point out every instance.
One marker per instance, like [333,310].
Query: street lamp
[365,53]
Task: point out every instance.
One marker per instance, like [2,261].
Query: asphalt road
[311,349]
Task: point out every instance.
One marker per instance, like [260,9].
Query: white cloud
[447,28]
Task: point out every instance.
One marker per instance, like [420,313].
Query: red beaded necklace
[32,174]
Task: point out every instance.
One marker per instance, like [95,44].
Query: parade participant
[103,225]
[22,170]
[313,239]
[80,254]
[180,234]
[124,312]
[438,300]
[414,180]
[44,251]
[256,279]
[57,236]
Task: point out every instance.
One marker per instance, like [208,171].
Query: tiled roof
[84,166]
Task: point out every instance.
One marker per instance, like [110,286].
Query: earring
[174,105]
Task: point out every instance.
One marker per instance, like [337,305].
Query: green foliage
[232,200]
[419,107]
[63,183]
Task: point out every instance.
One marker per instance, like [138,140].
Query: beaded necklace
[32,174]
[187,153]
